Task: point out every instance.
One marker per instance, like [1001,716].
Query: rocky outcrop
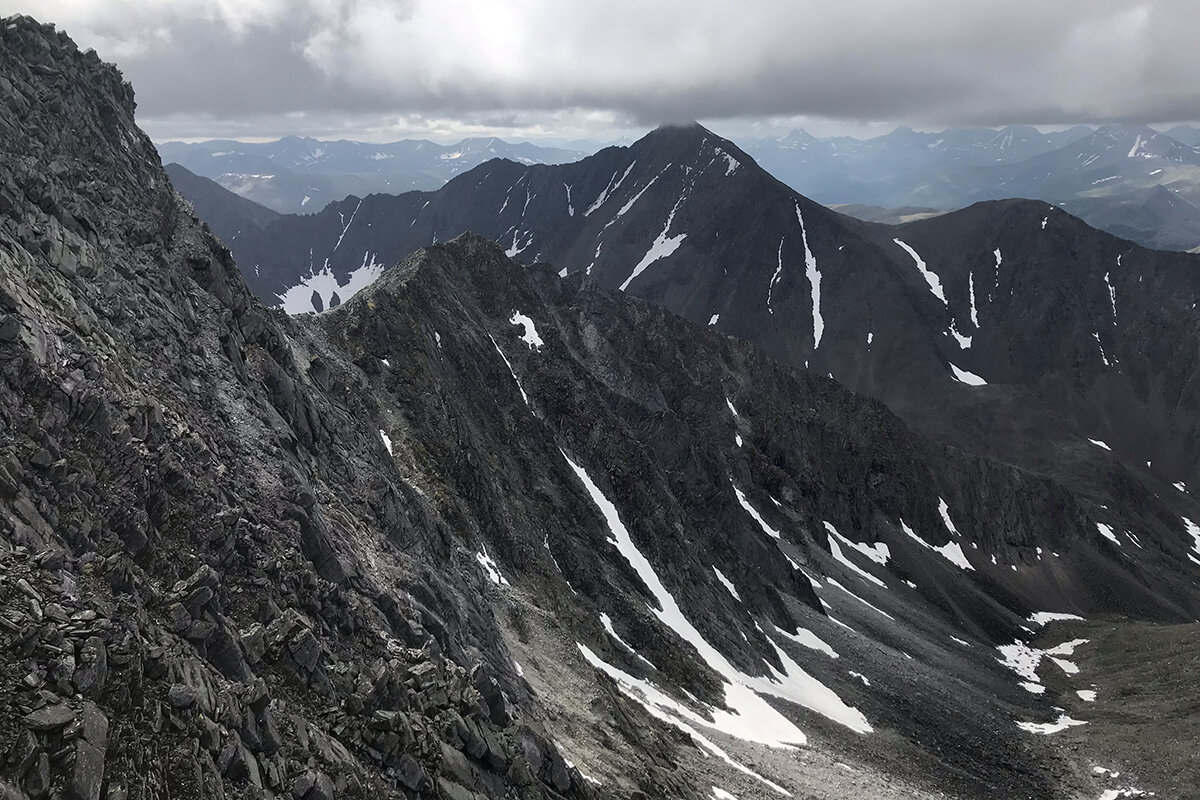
[185,612]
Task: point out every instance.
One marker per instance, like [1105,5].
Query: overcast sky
[389,69]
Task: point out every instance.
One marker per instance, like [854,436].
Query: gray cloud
[339,65]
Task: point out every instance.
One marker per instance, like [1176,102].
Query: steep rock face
[214,582]
[500,378]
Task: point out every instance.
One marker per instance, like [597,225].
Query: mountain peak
[681,132]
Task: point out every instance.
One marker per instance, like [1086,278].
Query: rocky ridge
[182,612]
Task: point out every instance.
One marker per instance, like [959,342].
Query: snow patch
[944,510]
[1193,530]
[836,551]
[951,551]
[298,299]
[963,376]
[806,638]
[1100,444]
[1046,728]
[727,584]
[530,334]
[814,280]
[490,569]
[387,441]
[935,283]
[609,190]
[775,277]
[1041,618]
[741,498]
[511,371]
[662,247]
[730,162]
[749,716]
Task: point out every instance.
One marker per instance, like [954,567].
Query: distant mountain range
[1105,176]
[300,176]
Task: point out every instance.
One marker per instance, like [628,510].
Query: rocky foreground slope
[484,532]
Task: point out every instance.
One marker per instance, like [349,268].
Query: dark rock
[50,718]
[94,726]
[411,774]
[37,776]
[303,784]
[321,789]
[91,675]
[181,696]
[87,773]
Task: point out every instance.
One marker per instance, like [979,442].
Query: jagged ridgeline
[483,532]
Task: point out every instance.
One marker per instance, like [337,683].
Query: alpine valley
[714,493]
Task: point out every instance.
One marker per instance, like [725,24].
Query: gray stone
[182,696]
[322,788]
[50,718]
[87,773]
[94,726]
[91,675]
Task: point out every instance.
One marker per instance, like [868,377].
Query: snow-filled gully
[746,715]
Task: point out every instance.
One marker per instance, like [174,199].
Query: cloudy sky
[389,69]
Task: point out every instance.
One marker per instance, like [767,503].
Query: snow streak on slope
[935,283]
[1193,530]
[974,312]
[806,638]
[836,551]
[606,621]
[775,277]
[762,523]
[511,371]
[490,569]
[1112,293]
[751,717]
[662,247]
[1107,532]
[951,551]
[1100,344]
[814,278]
[348,224]
[609,190]
[727,584]
[635,198]
[662,707]
[969,378]
[878,552]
